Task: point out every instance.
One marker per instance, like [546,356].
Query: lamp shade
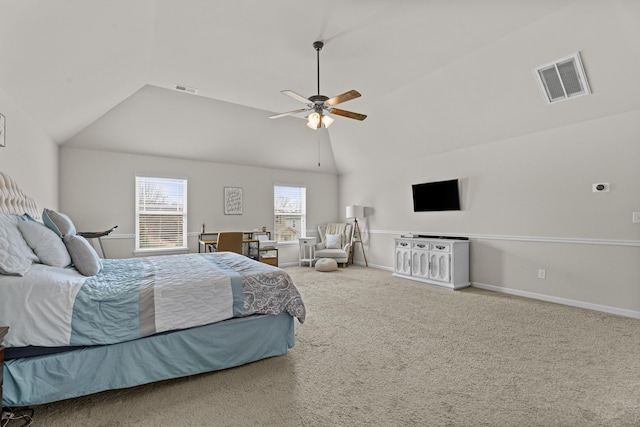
[355,211]
[313,121]
[327,121]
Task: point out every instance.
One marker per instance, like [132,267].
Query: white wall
[30,157]
[97,191]
[527,203]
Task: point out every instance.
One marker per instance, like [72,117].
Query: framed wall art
[233,200]
[3,127]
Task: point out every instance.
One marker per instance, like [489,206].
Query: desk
[209,239]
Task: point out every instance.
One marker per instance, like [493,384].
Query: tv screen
[436,196]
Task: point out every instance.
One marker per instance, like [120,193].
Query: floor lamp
[355,211]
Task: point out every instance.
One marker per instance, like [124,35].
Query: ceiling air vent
[183,88]
[563,79]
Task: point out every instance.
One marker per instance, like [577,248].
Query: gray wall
[30,157]
[527,204]
[97,191]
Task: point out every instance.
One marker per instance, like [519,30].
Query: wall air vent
[183,88]
[563,79]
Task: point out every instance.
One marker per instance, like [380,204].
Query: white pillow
[333,241]
[45,243]
[84,257]
[16,256]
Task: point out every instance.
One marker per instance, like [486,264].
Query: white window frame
[181,209]
[279,189]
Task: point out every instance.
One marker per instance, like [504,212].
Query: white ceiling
[435,75]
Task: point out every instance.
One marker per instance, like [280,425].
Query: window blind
[290,212]
[161,213]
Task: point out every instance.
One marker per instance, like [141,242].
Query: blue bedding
[133,298]
[37,380]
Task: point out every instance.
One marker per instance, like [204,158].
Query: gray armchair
[337,248]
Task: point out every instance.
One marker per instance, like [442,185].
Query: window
[290,212]
[161,213]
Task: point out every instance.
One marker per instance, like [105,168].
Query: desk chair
[230,241]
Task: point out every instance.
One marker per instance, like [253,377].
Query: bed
[133,321]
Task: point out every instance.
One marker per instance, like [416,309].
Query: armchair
[337,248]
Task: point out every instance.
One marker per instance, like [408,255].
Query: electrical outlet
[636,217]
[542,273]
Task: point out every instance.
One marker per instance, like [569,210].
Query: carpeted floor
[381,351]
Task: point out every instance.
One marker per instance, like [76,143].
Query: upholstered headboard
[13,201]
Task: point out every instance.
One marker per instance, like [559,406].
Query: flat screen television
[436,196]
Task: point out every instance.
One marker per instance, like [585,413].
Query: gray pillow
[16,257]
[45,243]
[58,222]
[84,257]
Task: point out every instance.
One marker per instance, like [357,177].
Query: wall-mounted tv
[436,196]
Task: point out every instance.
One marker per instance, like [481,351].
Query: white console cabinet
[442,261]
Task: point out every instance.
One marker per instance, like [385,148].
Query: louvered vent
[187,89]
[563,79]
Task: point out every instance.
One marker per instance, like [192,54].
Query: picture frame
[3,130]
[233,200]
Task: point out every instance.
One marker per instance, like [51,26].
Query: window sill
[160,251]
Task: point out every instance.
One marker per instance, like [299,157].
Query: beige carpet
[381,351]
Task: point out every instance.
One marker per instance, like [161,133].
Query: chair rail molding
[539,239]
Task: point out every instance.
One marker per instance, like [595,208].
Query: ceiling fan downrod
[318,47]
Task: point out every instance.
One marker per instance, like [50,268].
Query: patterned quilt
[133,298]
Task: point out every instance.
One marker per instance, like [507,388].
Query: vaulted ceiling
[435,75]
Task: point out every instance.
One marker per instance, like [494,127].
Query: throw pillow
[45,243]
[16,256]
[58,222]
[84,257]
[333,241]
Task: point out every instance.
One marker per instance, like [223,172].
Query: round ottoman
[326,264]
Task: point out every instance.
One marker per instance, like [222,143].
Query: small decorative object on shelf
[202,228]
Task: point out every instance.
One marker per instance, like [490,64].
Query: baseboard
[564,301]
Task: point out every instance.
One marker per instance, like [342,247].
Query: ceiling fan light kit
[321,105]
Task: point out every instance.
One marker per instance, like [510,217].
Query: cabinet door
[420,264]
[440,266]
[403,261]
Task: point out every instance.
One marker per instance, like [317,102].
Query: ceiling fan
[321,105]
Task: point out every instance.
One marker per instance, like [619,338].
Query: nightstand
[307,250]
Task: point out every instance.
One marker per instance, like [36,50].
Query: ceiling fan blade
[288,113]
[296,96]
[349,114]
[347,96]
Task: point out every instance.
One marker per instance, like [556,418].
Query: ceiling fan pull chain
[318,149]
